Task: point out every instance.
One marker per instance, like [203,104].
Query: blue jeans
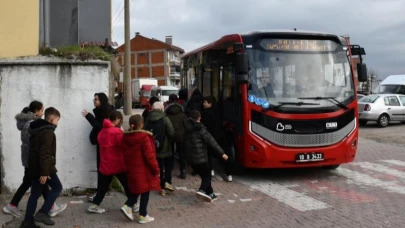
[26,184]
[36,190]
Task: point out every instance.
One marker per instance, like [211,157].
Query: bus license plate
[309,157]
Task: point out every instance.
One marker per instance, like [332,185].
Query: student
[42,167]
[163,133]
[148,109]
[111,161]
[33,112]
[196,141]
[143,170]
[101,111]
[211,120]
[174,112]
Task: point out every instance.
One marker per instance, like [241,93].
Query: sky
[377,25]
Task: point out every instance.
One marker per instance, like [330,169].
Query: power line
[116,9]
[121,19]
[132,7]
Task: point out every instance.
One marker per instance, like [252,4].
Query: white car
[382,108]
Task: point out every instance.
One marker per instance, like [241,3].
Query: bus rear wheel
[331,167]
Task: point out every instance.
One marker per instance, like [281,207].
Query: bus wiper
[338,103]
[288,103]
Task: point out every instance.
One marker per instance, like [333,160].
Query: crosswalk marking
[381,169]
[364,179]
[395,162]
[287,196]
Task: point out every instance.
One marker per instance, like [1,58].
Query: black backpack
[159,132]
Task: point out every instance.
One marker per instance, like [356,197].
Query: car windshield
[146,94]
[390,89]
[169,92]
[369,99]
[286,76]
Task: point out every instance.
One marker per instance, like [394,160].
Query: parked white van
[394,84]
[163,92]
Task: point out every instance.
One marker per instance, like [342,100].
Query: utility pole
[127,63]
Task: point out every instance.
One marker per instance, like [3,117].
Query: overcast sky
[378,25]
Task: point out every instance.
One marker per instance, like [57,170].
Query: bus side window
[207,83]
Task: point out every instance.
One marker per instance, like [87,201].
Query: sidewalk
[177,209]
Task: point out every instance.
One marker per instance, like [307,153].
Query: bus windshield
[286,76]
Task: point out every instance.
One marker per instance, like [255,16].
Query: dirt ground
[394,133]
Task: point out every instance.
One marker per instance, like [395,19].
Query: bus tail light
[367,107]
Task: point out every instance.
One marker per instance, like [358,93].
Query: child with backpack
[196,141]
[163,133]
[140,161]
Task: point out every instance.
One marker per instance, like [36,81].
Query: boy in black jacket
[196,141]
[41,165]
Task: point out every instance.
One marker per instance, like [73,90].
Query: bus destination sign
[298,45]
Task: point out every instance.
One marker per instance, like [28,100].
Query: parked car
[359,96]
[382,108]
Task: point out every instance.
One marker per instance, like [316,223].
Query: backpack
[159,132]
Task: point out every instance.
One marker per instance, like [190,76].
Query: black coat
[96,122]
[42,156]
[197,139]
[211,120]
[175,113]
[195,103]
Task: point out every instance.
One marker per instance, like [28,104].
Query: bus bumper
[259,153]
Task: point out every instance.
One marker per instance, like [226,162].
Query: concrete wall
[19,23]
[67,86]
[64,19]
[69,22]
[95,20]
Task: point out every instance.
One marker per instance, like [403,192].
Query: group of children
[141,157]
[38,155]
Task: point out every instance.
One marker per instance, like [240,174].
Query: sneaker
[127,211]
[183,175]
[44,218]
[229,178]
[12,210]
[213,197]
[135,208]
[212,173]
[163,192]
[203,196]
[145,219]
[91,198]
[95,209]
[56,209]
[30,224]
[169,187]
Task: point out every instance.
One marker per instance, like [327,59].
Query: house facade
[19,33]
[152,58]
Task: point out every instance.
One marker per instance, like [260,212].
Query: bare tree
[372,77]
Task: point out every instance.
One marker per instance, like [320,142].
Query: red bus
[289,96]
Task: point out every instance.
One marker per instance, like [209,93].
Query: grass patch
[77,52]
[116,185]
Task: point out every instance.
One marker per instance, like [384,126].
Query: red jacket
[111,157]
[140,161]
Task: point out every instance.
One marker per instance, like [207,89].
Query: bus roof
[238,38]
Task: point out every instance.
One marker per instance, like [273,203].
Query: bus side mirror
[361,72]
[241,68]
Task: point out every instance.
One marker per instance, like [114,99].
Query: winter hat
[158,106]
